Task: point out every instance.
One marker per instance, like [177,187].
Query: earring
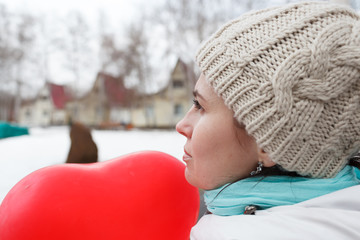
[258,169]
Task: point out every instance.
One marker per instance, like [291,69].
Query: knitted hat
[292,75]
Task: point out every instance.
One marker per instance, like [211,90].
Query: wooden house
[166,107]
[110,104]
[106,104]
[47,108]
[7,105]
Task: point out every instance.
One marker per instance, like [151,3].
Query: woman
[275,125]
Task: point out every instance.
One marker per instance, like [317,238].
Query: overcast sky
[116,9]
[119,14]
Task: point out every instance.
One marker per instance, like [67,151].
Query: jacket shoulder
[332,216]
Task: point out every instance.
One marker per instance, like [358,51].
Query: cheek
[204,139]
[202,170]
[209,149]
[221,154]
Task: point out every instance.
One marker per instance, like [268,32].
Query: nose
[184,127]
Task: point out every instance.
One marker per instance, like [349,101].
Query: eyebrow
[197,94]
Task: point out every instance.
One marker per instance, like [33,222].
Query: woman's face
[216,151]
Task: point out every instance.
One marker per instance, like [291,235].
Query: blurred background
[123,69]
[106,63]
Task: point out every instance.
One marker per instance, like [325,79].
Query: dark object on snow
[83,149]
[10,130]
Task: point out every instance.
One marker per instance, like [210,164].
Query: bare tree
[111,56]
[186,23]
[137,56]
[76,47]
[25,38]
[6,49]
[16,42]
[47,46]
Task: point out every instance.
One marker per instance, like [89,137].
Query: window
[178,109]
[99,111]
[178,84]
[149,111]
[75,112]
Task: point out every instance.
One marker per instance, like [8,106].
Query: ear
[265,159]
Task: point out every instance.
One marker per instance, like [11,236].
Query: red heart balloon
[138,196]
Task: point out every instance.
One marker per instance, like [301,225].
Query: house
[110,104]
[166,107]
[48,107]
[7,105]
[107,103]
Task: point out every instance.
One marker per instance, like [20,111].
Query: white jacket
[332,216]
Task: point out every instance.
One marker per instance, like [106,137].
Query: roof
[188,72]
[115,91]
[58,95]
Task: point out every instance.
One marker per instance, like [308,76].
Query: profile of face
[217,151]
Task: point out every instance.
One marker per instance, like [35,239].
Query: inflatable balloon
[137,196]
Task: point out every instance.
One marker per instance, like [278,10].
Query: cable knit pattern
[292,75]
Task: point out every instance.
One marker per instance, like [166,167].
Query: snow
[49,146]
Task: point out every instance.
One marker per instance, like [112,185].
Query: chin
[194,181]
[190,179]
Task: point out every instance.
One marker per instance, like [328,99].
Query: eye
[197,104]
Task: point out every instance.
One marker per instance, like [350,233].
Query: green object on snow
[10,130]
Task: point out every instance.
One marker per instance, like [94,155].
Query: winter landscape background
[48,146]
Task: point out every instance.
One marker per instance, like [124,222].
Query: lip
[186,157]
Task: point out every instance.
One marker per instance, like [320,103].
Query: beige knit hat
[292,75]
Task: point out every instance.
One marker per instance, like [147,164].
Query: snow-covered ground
[22,155]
